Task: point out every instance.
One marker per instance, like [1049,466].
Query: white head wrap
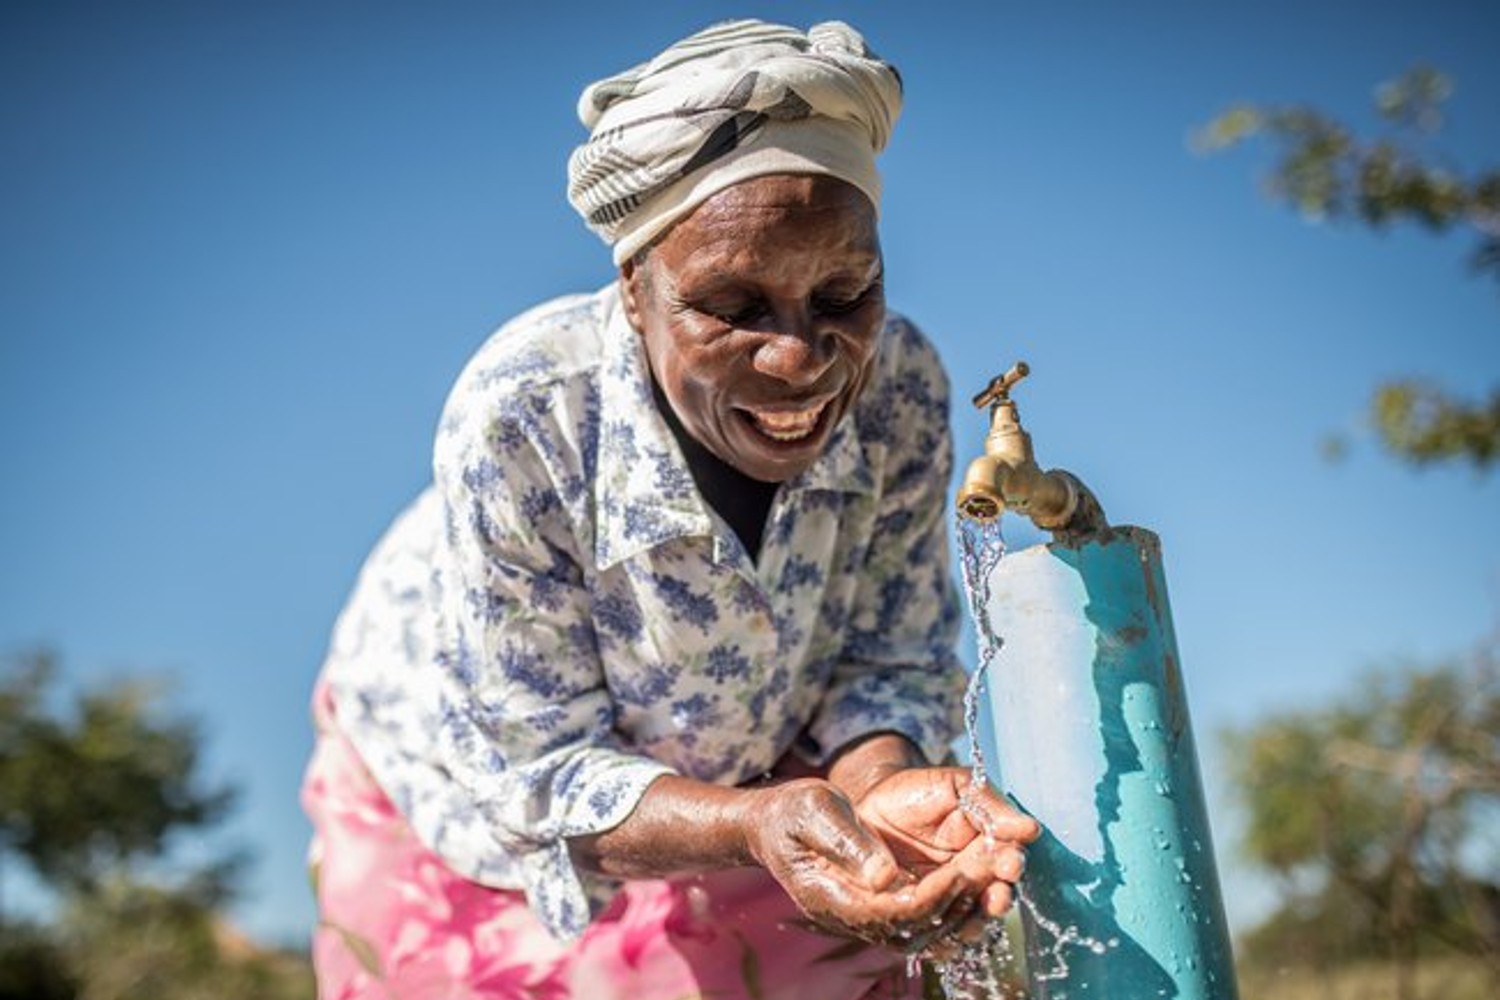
[735,101]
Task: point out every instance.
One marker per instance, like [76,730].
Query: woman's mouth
[784,425]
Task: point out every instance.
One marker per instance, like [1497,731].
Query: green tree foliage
[93,794]
[1422,423]
[1377,816]
[86,792]
[1326,171]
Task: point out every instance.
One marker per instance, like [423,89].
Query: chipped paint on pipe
[1088,731]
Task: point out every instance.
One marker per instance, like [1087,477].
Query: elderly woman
[639,699]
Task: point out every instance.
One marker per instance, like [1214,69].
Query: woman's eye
[836,307]
[734,313]
[841,305]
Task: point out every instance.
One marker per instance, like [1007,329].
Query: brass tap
[1006,476]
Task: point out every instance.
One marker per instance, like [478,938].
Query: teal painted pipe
[1088,731]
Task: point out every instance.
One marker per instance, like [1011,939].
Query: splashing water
[976,971]
[1062,939]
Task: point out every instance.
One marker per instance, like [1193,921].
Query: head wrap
[734,101]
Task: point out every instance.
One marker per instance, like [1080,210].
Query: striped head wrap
[738,100]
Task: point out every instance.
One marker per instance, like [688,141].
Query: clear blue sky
[246,247]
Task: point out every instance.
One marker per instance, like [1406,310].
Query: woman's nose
[797,353]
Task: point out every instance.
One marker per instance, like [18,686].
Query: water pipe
[1085,726]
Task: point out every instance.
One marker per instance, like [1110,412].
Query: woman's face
[760,313]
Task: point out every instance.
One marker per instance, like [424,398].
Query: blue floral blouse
[560,618]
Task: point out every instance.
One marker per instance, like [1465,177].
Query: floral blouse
[560,618]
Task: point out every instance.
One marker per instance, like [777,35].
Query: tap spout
[1007,477]
[981,496]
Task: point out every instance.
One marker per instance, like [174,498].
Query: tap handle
[998,391]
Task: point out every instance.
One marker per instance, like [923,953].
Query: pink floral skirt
[398,925]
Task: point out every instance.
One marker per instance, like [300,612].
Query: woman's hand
[903,868]
[843,875]
[935,818]
[929,814]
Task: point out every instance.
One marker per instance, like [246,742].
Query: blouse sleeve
[898,670]
[526,719]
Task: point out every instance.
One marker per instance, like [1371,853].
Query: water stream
[980,548]
[977,971]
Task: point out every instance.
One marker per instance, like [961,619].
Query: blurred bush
[93,795]
[1376,818]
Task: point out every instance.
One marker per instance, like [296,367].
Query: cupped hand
[932,818]
[929,814]
[843,875]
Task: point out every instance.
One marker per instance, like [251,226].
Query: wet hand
[846,879]
[933,818]
[928,815]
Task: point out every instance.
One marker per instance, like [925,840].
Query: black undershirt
[743,503]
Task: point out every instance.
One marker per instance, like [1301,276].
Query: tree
[92,797]
[1325,171]
[95,790]
[1377,816]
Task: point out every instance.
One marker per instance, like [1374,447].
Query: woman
[639,698]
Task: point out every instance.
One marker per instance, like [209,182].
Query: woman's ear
[633,290]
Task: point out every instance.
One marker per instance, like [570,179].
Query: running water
[977,970]
[976,973]
[980,547]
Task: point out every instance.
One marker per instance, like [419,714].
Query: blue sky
[248,246]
